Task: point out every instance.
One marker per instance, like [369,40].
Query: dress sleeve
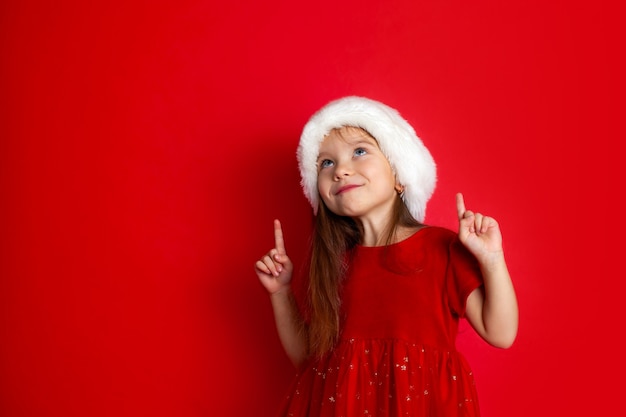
[462,276]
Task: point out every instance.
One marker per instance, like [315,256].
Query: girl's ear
[399,189]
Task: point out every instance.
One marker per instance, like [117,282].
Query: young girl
[385,291]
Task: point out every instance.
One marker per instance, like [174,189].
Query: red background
[146,147]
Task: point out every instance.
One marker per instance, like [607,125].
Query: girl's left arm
[492,309]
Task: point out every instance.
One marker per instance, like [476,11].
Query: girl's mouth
[346,188]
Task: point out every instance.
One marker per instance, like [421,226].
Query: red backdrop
[146,147]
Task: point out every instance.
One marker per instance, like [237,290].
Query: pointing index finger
[279,241]
[460,205]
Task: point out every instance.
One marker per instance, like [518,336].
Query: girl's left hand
[479,233]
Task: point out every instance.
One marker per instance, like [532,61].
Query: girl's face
[354,177]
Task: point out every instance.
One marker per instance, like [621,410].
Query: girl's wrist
[493,261]
[286,290]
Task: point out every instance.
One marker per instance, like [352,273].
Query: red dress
[396,355]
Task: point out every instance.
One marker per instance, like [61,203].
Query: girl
[385,291]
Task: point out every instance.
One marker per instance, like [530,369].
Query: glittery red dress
[396,355]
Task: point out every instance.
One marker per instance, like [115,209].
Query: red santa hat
[410,160]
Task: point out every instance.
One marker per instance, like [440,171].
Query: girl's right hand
[275,269]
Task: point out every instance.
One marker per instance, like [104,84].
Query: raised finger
[460,205]
[279,241]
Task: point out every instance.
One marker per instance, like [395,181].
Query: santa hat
[412,163]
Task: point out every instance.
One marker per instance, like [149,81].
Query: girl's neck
[380,236]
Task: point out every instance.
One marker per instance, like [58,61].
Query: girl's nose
[343,170]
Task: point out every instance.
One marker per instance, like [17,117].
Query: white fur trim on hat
[412,163]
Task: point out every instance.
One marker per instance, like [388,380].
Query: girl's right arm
[274,271]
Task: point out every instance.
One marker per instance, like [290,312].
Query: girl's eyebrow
[361,142]
[354,143]
[320,157]
[358,142]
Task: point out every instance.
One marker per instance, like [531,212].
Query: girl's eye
[360,152]
[326,163]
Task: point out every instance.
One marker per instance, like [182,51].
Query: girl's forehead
[349,131]
[349,134]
